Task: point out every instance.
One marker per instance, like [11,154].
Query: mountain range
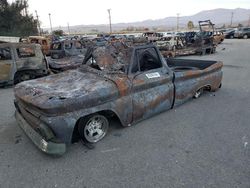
[218,16]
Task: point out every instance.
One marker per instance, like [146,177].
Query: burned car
[65,55]
[190,43]
[131,83]
[19,62]
[43,41]
[218,37]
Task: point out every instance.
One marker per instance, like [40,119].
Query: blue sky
[78,12]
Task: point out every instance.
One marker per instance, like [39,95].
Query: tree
[190,25]
[240,25]
[58,32]
[14,19]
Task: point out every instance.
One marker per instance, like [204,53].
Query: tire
[93,128]
[213,50]
[245,36]
[231,37]
[23,76]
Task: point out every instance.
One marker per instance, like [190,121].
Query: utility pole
[110,28]
[38,23]
[232,15]
[177,22]
[249,21]
[68,29]
[26,7]
[50,23]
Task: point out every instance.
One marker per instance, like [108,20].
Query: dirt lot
[203,143]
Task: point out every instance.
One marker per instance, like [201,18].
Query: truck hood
[66,91]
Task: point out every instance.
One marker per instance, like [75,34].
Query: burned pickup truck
[19,62]
[131,83]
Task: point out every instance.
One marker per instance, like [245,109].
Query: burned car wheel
[198,93]
[22,76]
[93,128]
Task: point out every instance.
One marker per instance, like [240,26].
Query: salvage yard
[202,143]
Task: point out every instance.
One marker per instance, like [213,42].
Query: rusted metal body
[133,83]
[65,55]
[19,61]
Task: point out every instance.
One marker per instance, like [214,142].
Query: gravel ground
[202,143]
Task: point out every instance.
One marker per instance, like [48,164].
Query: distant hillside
[217,16]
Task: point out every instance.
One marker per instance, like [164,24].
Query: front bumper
[50,146]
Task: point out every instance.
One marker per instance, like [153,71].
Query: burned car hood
[66,91]
[66,63]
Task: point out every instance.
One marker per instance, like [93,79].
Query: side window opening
[67,45]
[44,42]
[78,45]
[34,41]
[148,59]
[56,46]
[5,53]
[24,52]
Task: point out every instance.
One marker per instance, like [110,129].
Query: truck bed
[180,65]
[193,75]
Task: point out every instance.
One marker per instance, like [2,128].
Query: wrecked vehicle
[43,41]
[218,37]
[131,83]
[200,44]
[65,55]
[19,62]
[191,43]
[152,36]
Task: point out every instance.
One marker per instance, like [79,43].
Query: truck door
[153,89]
[6,64]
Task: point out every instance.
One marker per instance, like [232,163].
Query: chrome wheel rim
[197,94]
[96,128]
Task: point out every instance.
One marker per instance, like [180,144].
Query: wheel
[213,50]
[20,77]
[245,37]
[198,93]
[231,37]
[93,128]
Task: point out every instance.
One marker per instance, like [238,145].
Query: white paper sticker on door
[153,75]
